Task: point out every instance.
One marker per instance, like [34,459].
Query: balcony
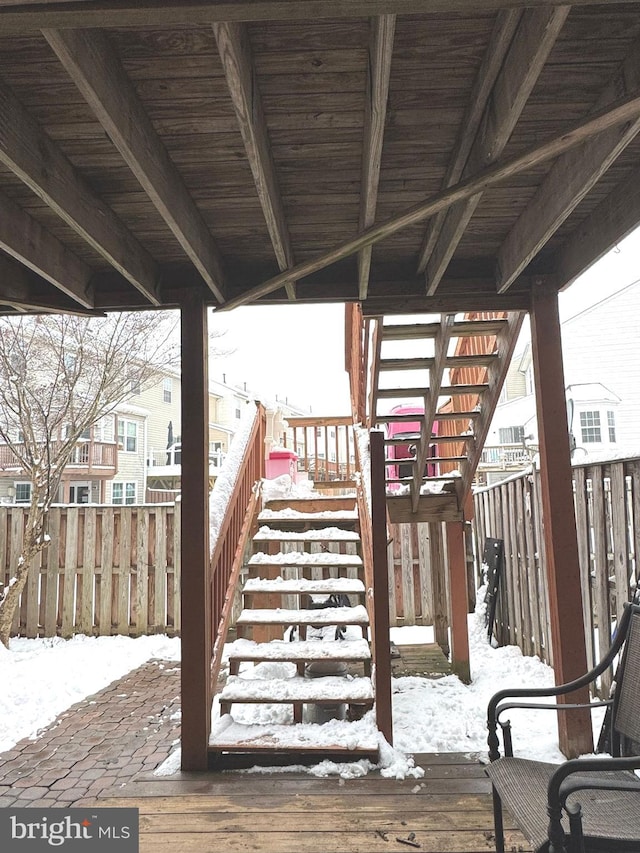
[89,459]
[507,457]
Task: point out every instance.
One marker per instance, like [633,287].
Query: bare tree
[59,375]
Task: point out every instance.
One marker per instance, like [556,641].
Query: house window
[511,435]
[135,384]
[167,389]
[238,409]
[590,427]
[611,423]
[103,430]
[128,435]
[123,493]
[23,493]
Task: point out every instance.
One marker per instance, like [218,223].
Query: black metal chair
[584,804]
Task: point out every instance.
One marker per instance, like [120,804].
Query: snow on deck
[328,689]
[266,533]
[308,650]
[326,616]
[304,558]
[361,734]
[294,585]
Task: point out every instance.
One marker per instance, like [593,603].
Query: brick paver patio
[99,744]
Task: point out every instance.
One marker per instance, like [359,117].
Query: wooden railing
[233,537]
[87,457]
[607,507]
[325,449]
[107,570]
[356,360]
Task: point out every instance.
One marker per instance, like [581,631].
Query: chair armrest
[497,707]
[561,785]
[558,690]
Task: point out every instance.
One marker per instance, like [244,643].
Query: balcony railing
[325,448]
[88,457]
[505,456]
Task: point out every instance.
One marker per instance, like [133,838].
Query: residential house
[601,350]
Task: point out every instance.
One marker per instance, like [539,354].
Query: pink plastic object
[281,462]
[410,429]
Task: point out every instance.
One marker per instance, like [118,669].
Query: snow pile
[283,487]
[226,481]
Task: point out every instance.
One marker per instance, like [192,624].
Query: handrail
[235,530]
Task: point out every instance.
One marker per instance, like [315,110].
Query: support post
[560,537]
[382,643]
[194,546]
[457,558]
[440,612]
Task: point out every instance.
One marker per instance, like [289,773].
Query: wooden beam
[559,524]
[569,180]
[431,508]
[94,67]
[504,28]
[27,241]
[23,17]
[375,371]
[507,338]
[196,604]
[448,299]
[32,156]
[27,292]
[617,215]
[458,600]
[431,404]
[380,54]
[535,36]
[625,110]
[235,53]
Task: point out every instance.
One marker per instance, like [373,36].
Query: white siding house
[601,350]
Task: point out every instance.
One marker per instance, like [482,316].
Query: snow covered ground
[41,678]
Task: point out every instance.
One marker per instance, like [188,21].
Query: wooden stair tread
[346,586]
[305,558]
[339,515]
[325,690]
[303,737]
[422,391]
[300,650]
[268,534]
[440,416]
[326,616]
[466,328]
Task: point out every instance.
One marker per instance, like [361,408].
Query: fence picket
[80,582]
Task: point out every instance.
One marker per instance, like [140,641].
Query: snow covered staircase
[299,682]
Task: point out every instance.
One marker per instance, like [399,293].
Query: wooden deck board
[423,659]
[449,810]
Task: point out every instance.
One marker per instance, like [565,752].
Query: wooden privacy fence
[107,570]
[607,511]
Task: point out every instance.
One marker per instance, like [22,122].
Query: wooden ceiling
[442,155]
